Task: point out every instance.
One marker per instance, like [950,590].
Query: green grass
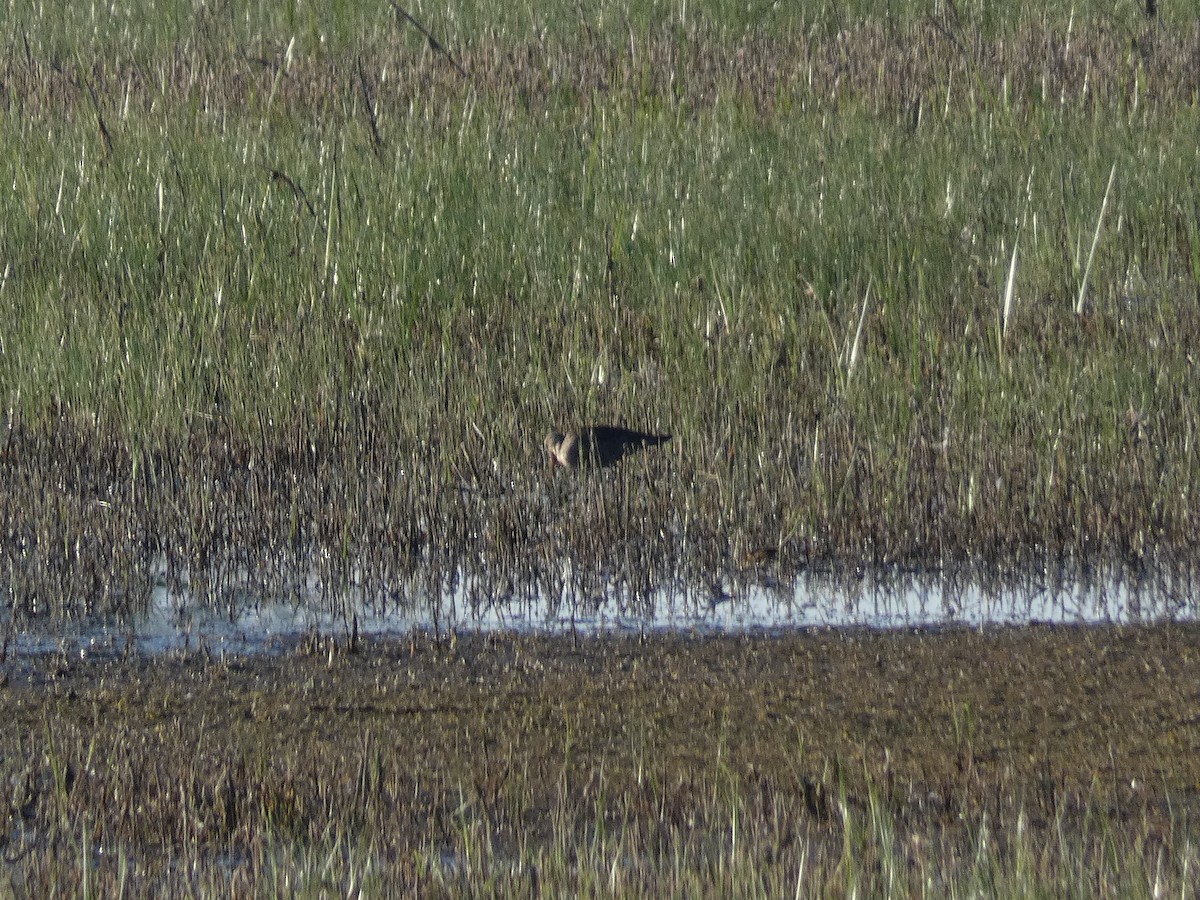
[296,227]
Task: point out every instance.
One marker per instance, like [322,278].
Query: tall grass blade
[862,318]
[1095,240]
[1008,291]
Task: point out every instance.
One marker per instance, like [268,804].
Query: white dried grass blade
[1087,269]
[862,318]
[1008,291]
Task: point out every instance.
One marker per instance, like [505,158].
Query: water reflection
[250,624]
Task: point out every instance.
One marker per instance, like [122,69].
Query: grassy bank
[910,289]
[1011,763]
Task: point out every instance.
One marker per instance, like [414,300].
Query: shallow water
[172,622]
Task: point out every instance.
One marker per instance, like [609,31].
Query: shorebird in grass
[600,445]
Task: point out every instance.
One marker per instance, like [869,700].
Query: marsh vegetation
[291,295]
[287,291]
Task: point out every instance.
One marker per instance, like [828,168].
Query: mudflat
[830,762]
[1031,714]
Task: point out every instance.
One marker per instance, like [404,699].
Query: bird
[599,445]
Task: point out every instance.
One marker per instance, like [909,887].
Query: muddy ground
[1033,714]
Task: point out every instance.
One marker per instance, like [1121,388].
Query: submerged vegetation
[294,292]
